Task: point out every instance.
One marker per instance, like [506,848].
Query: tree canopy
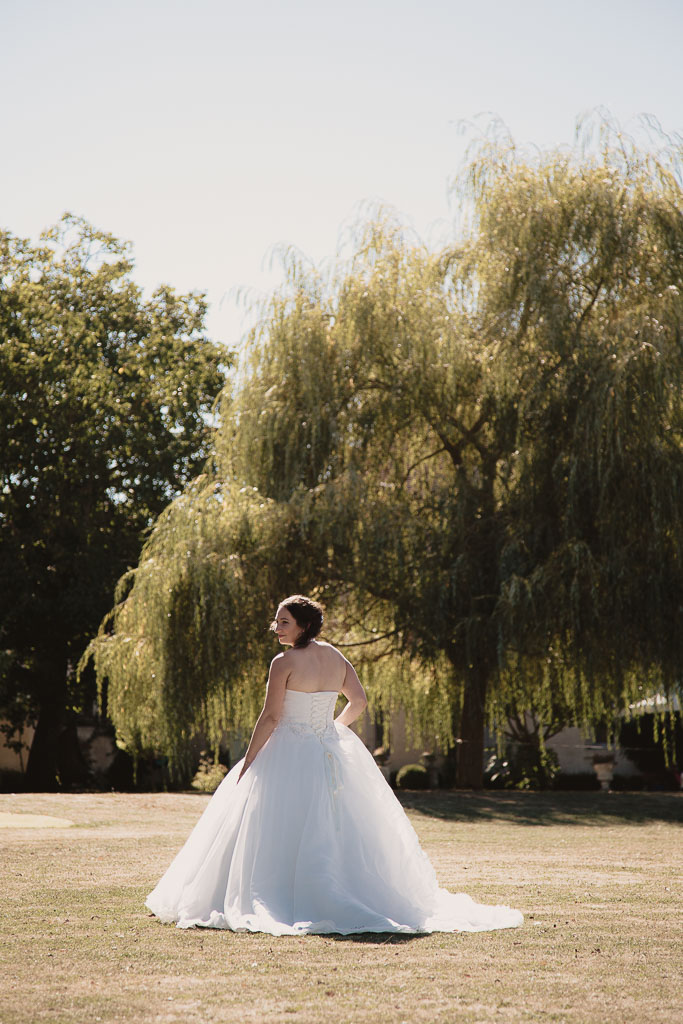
[105,399]
[472,455]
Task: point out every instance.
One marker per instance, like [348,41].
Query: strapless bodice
[311,710]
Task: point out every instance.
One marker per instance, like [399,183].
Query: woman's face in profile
[286,627]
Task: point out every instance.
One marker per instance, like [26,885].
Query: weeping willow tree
[473,456]
[185,650]
[160,656]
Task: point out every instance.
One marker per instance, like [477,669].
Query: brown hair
[307,614]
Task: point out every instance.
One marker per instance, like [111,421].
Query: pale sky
[207,132]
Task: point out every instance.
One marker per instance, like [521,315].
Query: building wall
[9,760]
[575,753]
[401,750]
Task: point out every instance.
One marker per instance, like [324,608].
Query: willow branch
[373,640]
[589,306]
[425,458]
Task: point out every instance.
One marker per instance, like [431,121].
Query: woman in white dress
[304,835]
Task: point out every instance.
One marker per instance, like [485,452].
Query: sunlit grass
[597,875]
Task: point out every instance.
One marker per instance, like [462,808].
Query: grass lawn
[597,875]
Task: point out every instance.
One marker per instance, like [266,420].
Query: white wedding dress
[312,840]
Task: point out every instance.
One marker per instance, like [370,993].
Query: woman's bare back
[316,667]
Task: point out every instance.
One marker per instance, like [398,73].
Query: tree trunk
[470,760]
[42,769]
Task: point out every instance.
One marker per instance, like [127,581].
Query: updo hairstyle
[307,614]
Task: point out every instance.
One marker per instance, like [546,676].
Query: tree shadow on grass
[523,808]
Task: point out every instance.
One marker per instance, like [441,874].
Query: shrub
[12,781]
[209,774]
[498,773]
[627,783]
[576,781]
[412,776]
[524,766]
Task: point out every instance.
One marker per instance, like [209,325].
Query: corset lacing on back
[312,714]
[309,712]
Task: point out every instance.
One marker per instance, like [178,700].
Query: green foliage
[104,404]
[473,457]
[184,639]
[654,745]
[526,765]
[412,776]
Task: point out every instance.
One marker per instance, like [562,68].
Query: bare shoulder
[334,659]
[331,651]
[279,661]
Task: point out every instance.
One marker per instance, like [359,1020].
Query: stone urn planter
[381,756]
[603,766]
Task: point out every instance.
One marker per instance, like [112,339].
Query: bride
[304,835]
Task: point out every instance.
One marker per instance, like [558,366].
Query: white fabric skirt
[312,840]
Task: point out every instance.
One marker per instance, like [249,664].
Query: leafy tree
[474,453]
[105,399]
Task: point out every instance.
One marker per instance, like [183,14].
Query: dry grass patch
[598,876]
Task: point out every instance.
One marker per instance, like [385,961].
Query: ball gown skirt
[312,840]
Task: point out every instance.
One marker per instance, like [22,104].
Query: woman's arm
[355,694]
[272,707]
